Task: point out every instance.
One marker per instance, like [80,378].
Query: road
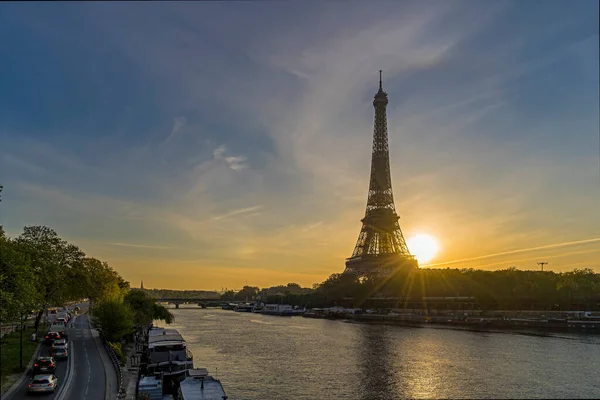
[88,381]
[88,377]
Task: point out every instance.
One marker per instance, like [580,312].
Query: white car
[59,343]
[43,383]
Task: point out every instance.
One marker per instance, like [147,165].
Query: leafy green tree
[101,282]
[146,309]
[114,317]
[18,293]
[52,260]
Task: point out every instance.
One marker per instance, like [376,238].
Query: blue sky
[200,144]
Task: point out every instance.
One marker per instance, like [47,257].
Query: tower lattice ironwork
[380,247]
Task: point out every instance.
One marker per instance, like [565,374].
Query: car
[60,329]
[50,336]
[43,383]
[44,364]
[59,343]
[60,352]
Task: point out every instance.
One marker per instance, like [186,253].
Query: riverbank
[588,325]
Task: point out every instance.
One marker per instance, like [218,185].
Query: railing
[117,364]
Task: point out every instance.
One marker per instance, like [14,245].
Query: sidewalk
[131,371]
[112,387]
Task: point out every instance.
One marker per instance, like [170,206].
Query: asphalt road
[88,380]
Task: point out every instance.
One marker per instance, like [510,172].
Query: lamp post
[21,342]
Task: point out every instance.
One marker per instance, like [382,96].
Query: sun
[423,246]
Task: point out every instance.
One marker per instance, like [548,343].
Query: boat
[167,357]
[244,308]
[151,386]
[198,384]
[283,310]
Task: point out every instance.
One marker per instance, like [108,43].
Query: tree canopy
[507,289]
[39,269]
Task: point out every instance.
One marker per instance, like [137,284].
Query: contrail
[236,212]
[549,246]
[141,246]
[573,253]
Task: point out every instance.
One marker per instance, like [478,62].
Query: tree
[114,317]
[146,309]
[101,282]
[52,260]
[248,293]
[17,280]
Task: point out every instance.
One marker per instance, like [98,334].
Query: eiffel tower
[380,248]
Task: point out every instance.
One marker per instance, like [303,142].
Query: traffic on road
[68,365]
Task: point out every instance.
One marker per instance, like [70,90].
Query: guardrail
[116,363]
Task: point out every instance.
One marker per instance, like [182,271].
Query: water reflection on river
[261,357]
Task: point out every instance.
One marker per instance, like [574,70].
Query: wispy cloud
[190,139]
[236,163]
[139,246]
[527,250]
[237,212]
[178,123]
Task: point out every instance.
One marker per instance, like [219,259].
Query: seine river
[259,357]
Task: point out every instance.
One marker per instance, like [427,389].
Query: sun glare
[422,246]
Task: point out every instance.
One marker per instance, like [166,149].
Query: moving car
[60,352]
[59,343]
[50,336]
[44,364]
[43,383]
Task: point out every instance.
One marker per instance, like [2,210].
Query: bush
[118,351]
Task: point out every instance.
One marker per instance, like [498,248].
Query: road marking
[70,368]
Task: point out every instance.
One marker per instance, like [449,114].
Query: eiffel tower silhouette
[380,248]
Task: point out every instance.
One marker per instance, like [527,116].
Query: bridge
[206,302]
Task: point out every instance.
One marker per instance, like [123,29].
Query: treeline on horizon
[38,269]
[507,289]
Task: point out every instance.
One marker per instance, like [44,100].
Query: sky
[203,145]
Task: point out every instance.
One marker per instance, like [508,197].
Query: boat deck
[201,386]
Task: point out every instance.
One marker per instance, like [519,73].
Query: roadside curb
[102,352]
[18,383]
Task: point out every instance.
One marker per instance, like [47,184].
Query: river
[259,357]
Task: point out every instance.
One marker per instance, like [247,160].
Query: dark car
[50,336]
[44,364]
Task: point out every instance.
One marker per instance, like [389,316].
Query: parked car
[44,364]
[43,383]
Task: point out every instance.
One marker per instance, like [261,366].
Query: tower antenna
[542,263]
[380,83]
